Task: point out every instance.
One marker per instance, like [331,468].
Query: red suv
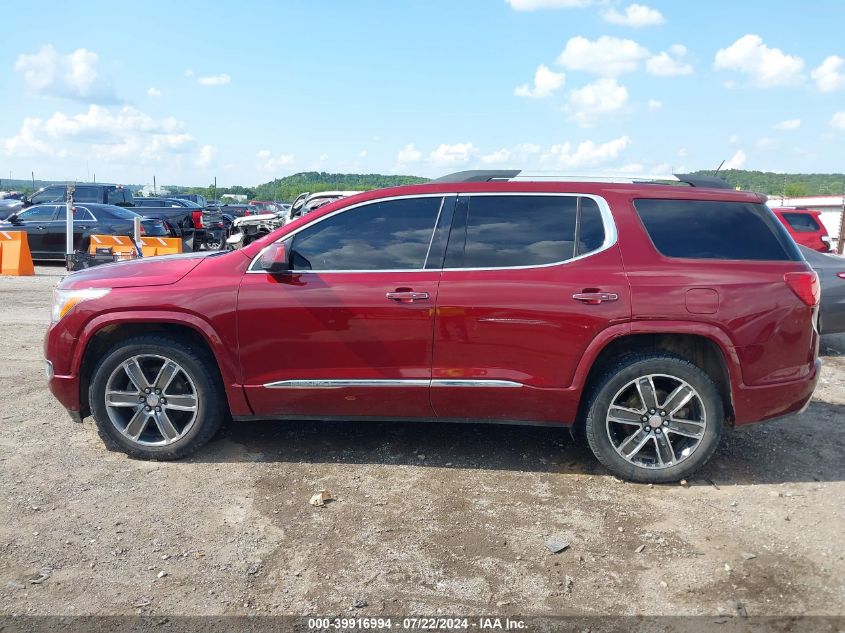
[648,316]
[805,227]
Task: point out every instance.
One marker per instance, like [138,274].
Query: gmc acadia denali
[648,316]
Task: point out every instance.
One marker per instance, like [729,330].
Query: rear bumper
[757,404]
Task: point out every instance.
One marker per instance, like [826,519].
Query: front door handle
[595,298]
[407,296]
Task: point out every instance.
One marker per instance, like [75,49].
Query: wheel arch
[706,351]
[103,336]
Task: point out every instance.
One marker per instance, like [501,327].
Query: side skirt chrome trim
[399,382]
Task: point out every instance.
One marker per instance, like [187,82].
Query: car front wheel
[155,397]
[654,418]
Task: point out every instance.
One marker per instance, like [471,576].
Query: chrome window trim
[392,382]
[610,234]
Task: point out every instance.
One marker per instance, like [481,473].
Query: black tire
[630,369]
[197,365]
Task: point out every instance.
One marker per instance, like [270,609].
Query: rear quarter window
[708,229]
[801,222]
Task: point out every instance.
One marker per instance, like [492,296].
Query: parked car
[651,317]
[165,202]
[193,197]
[307,202]
[45,226]
[831,272]
[9,206]
[805,227]
[236,210]
[94,193]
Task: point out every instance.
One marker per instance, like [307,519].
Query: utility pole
[33,181]
[840,243]
[155,191]
[215,188]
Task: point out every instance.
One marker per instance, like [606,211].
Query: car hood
[148,271]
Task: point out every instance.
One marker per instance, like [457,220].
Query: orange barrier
[119,245]
[151,246]
[15,258]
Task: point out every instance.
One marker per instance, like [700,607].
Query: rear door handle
[407,296]
[594,298]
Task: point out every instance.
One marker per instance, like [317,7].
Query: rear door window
[707,229]
[505,231]
[50,194]
[86,194]
[801,222]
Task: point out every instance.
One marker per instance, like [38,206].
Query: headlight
[65,300]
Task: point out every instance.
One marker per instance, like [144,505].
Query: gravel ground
[450,519]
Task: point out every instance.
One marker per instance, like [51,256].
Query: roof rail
[479,175]
[488,175]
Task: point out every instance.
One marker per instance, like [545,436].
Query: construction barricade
[15,258]
[151,246]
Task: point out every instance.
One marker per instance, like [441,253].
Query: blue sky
[249,91]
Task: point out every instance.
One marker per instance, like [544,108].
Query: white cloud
[736,161]
[829,76]
[683,153]
[588,104]
[669,63]
[533,5]
[71,76]
[587,154]
[456,154]
[607,56]
[124,134]
[362,153]
[498,157]
[271,163]
[838,121]
[654,105]
[214,80]
[546,82]
[635,16]
[789,124]
[408,154]
[733,140]
[766,67]
[206,157]
[154,92]
[767,143]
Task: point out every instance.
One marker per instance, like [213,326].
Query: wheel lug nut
[651,411]
[163,401]
[644,418]
[666,423]
[147,390]
[147,408]
[141,398]
[158,391]
[158,408]
[657,430]
[662,413]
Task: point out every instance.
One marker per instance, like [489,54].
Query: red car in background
[805,227]
[257,207]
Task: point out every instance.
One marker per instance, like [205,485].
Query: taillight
[197,217]
[805,285]
[143,231]
[840,275]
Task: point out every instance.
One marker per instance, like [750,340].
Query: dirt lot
[450,519]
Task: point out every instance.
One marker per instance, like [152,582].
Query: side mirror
[274,259]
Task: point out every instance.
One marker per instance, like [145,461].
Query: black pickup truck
[94,193]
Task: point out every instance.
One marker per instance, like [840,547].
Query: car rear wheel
[154,397]
[654,418]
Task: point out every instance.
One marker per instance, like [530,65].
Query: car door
[83,223]
[348,331]
[35,221]
[528,281]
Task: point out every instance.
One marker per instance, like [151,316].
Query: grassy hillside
[286,189]
[773,184]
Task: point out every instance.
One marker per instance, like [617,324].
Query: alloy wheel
[151,400]
[656,421]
